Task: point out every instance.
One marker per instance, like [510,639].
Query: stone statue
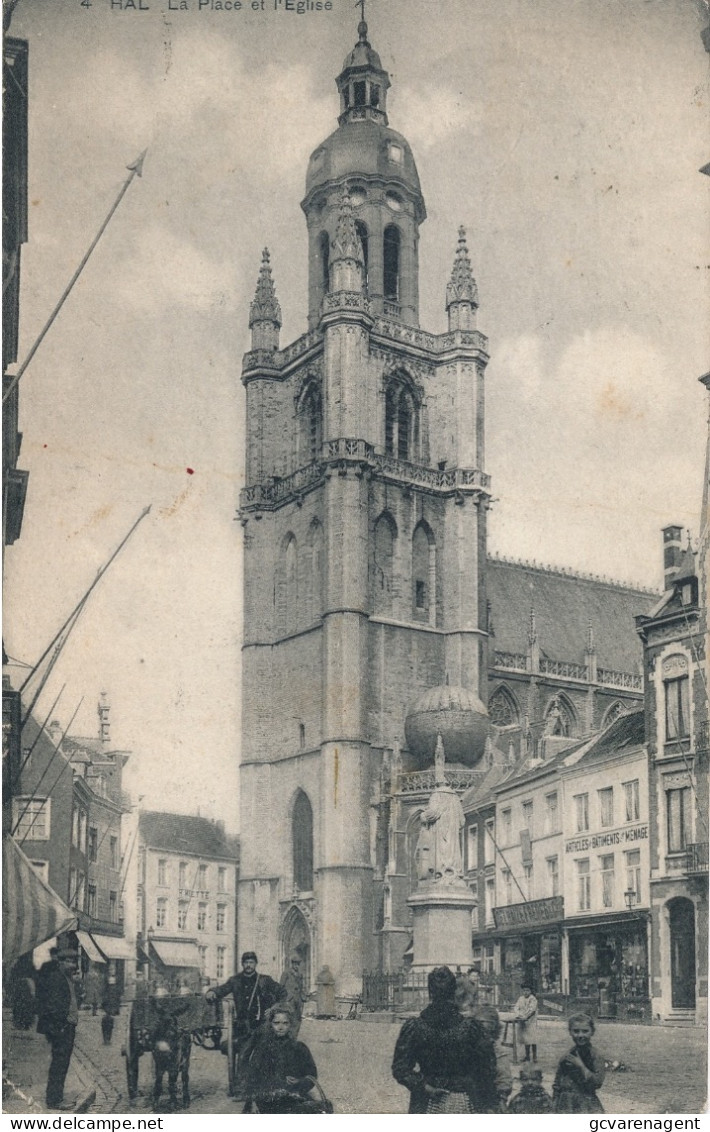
[438,852]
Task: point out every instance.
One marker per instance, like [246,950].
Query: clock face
[393,201]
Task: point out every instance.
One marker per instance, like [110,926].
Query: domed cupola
[375,165]
[458,715]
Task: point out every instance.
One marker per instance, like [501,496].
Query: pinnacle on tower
[265,311]
[461,291]
[346,261]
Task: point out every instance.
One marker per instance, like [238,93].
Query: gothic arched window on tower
[402,433]
[314,570]
[361,230]
[324,247]
[405,417]
[424,574]
[560,718]
[310,415]
[390,265]
[302,840]
[383,566]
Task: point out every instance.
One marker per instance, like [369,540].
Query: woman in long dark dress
[281,1071]
[580,1072]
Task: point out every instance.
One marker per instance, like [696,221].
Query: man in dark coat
[58,1014]
[253,995]
[445,1060]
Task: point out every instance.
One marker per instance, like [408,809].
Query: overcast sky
[565,134]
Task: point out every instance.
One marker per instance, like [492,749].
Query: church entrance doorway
[681,920]
[296,942]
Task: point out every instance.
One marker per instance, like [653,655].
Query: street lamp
[630,898]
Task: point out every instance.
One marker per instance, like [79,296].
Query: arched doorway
[296,938]
[681,923]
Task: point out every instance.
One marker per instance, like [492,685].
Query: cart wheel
[132,1054]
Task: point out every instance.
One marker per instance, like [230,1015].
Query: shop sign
[600,840]
[531,912]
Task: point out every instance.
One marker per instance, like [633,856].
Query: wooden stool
[509,1023]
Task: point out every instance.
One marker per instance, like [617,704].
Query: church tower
[364,521]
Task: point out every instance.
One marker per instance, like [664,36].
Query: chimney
[104,709]
[672,553]
[55,731]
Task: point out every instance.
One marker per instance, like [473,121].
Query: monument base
[442,926]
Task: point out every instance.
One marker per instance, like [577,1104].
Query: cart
[210,1025]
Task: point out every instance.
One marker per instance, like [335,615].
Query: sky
[565,135]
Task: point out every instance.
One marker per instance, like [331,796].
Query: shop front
[608,967]
[531,945]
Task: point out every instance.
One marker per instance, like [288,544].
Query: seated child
[488,1018]
[532,1098]
[580,1072]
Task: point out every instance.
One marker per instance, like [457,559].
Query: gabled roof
[626,734]
[566,605]
[186,833]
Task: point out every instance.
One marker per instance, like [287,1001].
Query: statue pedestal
[442,925]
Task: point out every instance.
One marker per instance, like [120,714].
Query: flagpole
[136,169]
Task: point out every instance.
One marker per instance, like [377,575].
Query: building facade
[186,872]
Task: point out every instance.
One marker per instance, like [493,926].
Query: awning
[114,946]
[177,952]
[31,911]
[90,947]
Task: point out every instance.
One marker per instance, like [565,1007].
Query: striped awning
[90,947]
[31,911]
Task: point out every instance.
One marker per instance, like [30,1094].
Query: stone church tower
[364,522]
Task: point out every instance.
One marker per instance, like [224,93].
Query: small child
[580,1072]
[490,1024]
[532,1098]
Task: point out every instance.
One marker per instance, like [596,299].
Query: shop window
[508,886]
[631,800]
[606,867]
[633,873]
[677,708]
[606,806]
[551,963]
[162,872]
[201,917]
[472,847]
[581,811]
[507,824]
[489,849]
[183,907]
[221,921]
[528,882]
[553,876]
[551,818]
[161,913]
[302,842]
[527,819]
[678,819]
[583,886]
[391,250]
[31,819]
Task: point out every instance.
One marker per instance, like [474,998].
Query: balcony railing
[424,781]
[702,742]
[697,858]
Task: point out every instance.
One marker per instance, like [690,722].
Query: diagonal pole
[136,169]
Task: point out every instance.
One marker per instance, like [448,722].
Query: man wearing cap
[253,994]
[58,1014]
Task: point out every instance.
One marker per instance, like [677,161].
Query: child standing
[580,1072]
[526,1015]
[488,1018]
[532,1098]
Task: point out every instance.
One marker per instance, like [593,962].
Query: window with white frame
[508,886]
[606,868]
[222,879]
[606,806]
[161,912]
[678,818]
[183,907]
[472,847]
[581,812]
[506,817]
[633,873]
[162,872]
[113,907]
[182,874]
[490,898]
[551,819]
[583,886]
[113,852]
[553,876]
[527,818]
[93,843]
[201,917]
[31,818]
[632,808]
[221,923]
[221,960]
[202,878]
[489,851]
[677,701]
